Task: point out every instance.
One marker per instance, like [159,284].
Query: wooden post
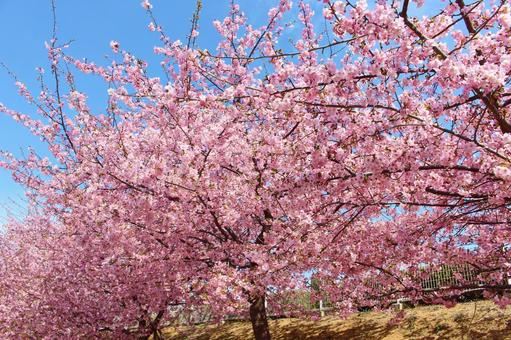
[321,311]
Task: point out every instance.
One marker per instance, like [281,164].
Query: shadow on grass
[367,330]
[431,322]
[296,329]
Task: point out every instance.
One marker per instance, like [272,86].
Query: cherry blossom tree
[372,143]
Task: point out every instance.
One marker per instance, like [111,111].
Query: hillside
[473,320]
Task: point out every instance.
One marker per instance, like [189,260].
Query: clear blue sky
[91,24]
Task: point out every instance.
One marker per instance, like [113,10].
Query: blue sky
[92,24]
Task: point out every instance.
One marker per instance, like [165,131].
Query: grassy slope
[473,320]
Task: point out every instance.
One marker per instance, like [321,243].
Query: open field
[472,320]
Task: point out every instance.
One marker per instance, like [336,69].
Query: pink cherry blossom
[114,45]
[146,4]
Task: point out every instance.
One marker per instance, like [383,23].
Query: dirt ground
[472,320]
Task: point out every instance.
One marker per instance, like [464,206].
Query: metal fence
[451,276]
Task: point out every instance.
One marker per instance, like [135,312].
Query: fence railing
[451,275]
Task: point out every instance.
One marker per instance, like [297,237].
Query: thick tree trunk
[259,319]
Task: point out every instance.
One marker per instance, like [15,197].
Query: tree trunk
[259,319]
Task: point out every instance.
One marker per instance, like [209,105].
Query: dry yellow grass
[473,320]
